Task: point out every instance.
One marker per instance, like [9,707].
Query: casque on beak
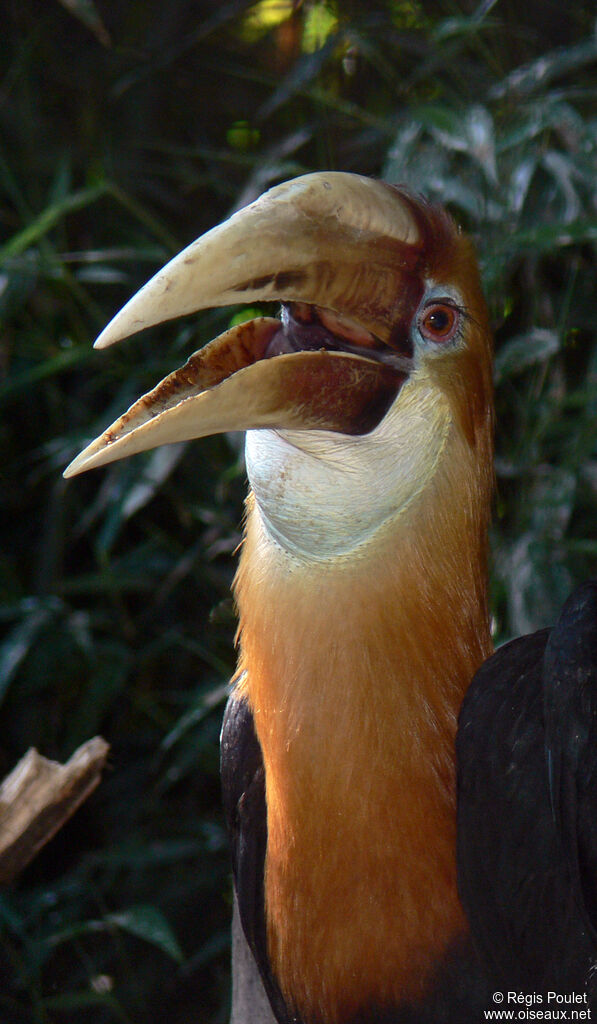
[343,253]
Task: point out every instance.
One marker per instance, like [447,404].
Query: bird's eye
[439,322]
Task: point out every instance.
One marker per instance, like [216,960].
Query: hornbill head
[380,355]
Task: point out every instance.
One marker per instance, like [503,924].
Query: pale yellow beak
[336,241]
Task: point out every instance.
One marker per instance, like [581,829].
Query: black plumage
[243,794]
[527,806]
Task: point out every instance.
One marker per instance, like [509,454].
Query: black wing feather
[570,713]
[527,804]
[243,792]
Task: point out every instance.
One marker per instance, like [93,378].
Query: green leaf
[144,922]
[206,703]
[86,12]
[47,220]
[77,1001]
[539,73]
[45,369]
[546,238]
[148,923]
[525,350]
[19,641]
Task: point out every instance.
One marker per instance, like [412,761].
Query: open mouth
[306,328]
[341,253]
[295,373]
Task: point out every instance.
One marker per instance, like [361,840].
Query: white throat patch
[321,494]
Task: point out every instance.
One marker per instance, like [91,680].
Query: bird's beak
[342,253]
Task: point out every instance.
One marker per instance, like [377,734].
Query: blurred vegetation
[127,129]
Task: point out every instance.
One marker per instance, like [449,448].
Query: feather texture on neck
[355,669]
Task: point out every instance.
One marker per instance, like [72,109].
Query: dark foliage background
[127,129]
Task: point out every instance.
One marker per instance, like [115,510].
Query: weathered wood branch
[39,796]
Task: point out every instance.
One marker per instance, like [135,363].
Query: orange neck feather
[355,671]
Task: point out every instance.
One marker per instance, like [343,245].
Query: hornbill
[363,618]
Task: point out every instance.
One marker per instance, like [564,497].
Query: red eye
[439,322]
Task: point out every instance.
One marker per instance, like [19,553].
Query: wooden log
[39,796]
